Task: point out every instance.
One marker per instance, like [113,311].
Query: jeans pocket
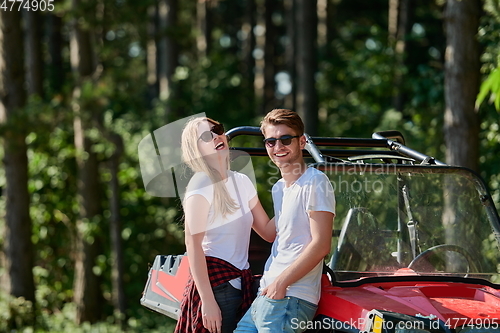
[227,295]
[307,306]
[272,300]
[305,312]
[269,315]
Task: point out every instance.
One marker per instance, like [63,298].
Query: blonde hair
[222,204]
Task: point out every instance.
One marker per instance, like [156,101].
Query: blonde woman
[220,207]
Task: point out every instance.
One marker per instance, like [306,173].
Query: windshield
[412,220]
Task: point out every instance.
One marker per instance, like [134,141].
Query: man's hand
[274,291]
[212,317]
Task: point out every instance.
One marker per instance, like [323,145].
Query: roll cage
[392,144]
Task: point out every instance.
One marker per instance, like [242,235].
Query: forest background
[83,81]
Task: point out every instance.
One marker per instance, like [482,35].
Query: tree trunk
[259,58]
[462,79]
[117,270]
[167,48]
[204,25]
[248,47]
[269,55]
[399,12]
[392,22]
[87,292]
[322,13]
[18,248]
[461,121]
[290,51]
[307,100]
[34,54]
[55,46]
[151,61]
[331,32]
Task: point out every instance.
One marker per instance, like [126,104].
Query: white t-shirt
[311,192]
[226,238]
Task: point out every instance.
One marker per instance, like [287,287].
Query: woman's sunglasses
[285,140]
[208,136]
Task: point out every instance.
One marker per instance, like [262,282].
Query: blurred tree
[461,121]
[248,47]
[56,72]
[87,291]
[151,53]
[331,28]
[18,248]
[258,54]
[115,225]
[34,54]
[290,56]
[204,27]
[270,66]
[167,50]
[398,25]
[306,62]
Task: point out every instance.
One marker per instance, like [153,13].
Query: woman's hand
[212,317]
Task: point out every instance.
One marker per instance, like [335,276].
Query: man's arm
[321,231]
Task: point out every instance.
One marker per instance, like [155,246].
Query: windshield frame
[383,168]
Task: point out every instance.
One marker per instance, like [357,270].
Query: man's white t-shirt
[226,238]
[311,192]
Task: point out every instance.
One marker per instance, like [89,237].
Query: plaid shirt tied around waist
[219,271]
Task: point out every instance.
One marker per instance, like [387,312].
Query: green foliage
[15,313]
[63,321]
[355,83]
[490,85]
[488,107]
[489,35]
[214,86]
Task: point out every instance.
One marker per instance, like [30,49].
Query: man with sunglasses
[304,207]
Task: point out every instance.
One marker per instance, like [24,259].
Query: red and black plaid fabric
[219,271]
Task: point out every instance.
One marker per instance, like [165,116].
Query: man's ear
[302,141]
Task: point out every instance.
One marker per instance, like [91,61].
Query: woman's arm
[262,225]
[196,209]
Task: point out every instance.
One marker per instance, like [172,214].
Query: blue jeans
[266,315]
[229,300]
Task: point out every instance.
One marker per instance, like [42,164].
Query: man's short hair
[283,117]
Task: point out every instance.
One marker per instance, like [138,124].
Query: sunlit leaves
[490,86]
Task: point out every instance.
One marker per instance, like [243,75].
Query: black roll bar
[392,140]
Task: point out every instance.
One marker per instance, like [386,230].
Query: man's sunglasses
[208,136]
[285,140]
